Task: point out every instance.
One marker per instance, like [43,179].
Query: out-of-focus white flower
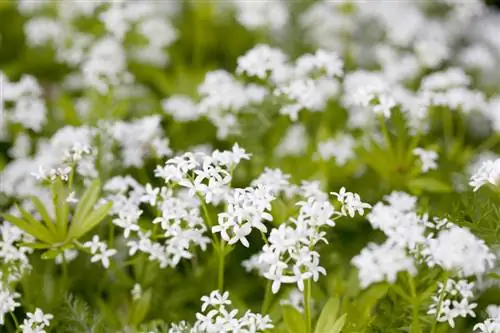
[488,173]
[427,158]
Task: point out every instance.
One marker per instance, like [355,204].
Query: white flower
[384,105]
[36,322]
[382,263]
[489,172]
[457,249]
[351,202]
[427,158]
[261,61]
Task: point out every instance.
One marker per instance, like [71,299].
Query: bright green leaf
[35,230]
[294,321]
[430,184]
[338,325]
[86,203]
[328,315]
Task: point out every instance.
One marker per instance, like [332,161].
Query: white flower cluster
[216,316]
[99,251]
[488,173]
[492,323]
[202,174]
[341,148]
[103,59]
[8,301]
[246,209]
[427,158]
[139,138]
[222,97]
[290,255]
[294,142]
[36,322]
[413,238]
[12,254]
[21,103]
[453,300]
[181,224]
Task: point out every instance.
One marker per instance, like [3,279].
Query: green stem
[440,301]
[267,297]
[220,277]
[415,305]
[14,319]
[65,271]
[111,235]
[307,304]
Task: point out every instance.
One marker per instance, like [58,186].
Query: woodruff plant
[249,166]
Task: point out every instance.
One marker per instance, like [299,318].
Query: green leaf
[86,203]
[40,207]
[52,253]
[61,207]
[141,308]
[35,230]
[78,230]
[328,315]
[338,325]
[429,184]
[294,320]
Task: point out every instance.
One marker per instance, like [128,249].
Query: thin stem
[440,301]
[111,234]
[307,304]
[267,297]
[220,277]
[415,305]
[14,319]
[65,271]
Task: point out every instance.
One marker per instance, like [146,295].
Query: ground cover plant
[249,166]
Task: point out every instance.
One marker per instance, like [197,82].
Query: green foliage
[59,234]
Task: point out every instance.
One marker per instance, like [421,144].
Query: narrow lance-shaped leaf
[87,202]
[36,231]
[328,315]
[294,321]
[40,207]
[27,217]
[338,325]
[80,229]
[61,207]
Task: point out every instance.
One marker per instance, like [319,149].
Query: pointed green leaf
[78,230]
[141,308]
[40,208]
[87,202]
[294,320]
[36,245]
[328,315]
[61,207]
[429,184]
[52,253]
[37,231]
[339,325]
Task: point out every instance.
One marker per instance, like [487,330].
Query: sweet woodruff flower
[488,173]
[427,158]
[216,315]
[290,256]
[36,322]
[410,236]
[456,297]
